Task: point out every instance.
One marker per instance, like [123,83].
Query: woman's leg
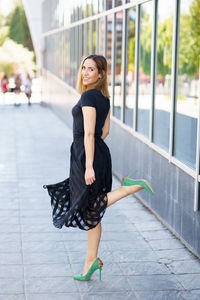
[94,236]
[121,192]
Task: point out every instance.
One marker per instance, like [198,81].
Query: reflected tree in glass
[130,67]
[144,89]
[163,74]
[188,83]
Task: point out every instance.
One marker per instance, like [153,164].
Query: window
[144,89]
[187,84]
[163,74]
[102,36]
[109,51]
[130,67]
[118,65]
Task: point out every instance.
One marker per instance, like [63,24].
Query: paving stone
[10,221]
[157,234]
[154,282]
[12,297]
[149,226]
[38,228]
[50,285]
[138,243]
[107,284]
[11,271]
[166,244]
[111,296]
[10,247]
[31,221]
[134,255]
[10,258]
[37,237]
[189,281]
[11,228]
[58,296]
[119,236]
[143,268]
[185,266]
[191,295]
[45,258]
[47,270]
[160,295]
[44,246]
[11,286]
[177,254]
[119,227]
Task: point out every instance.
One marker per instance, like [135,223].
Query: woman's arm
[106,127]
[89,117]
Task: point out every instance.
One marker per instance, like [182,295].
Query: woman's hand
[89,176]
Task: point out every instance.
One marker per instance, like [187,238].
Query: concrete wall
[174,198]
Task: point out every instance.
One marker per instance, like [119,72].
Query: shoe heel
[100,274]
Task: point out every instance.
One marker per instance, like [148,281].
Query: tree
[19,29]
[4,30]
[13,55]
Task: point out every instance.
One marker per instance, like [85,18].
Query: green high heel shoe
[126,181]
[98,264]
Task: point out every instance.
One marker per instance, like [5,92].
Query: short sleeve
[88,99]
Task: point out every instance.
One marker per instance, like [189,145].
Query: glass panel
[163,74]
[108,4]
[67,13]
[95,7]
[94,37]
[118,2]
[130,70]
[118,66]
[102,36]
[88,38]
[67,57]
[144,89]
[101,6]
[89,8]
[188,84]
[109,51]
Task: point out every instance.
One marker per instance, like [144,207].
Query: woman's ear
[102,74]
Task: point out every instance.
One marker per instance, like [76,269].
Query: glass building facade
[148,90]
[153,49]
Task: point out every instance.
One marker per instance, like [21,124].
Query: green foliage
[4,30]
[189,43]
[19,29]
[13,55]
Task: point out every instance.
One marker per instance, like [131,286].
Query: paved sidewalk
[142,259]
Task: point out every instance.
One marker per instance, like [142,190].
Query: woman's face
[89,72]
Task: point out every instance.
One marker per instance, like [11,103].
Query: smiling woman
[82,199]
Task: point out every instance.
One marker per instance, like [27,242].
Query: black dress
[73,202]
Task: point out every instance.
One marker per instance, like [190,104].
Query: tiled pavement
[142,259]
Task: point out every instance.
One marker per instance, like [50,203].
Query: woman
[81,200]
[27,84]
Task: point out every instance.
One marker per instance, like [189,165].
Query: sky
[6,6]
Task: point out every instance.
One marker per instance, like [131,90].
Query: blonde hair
[102,83]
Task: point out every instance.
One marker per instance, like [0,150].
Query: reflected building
[152,48]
